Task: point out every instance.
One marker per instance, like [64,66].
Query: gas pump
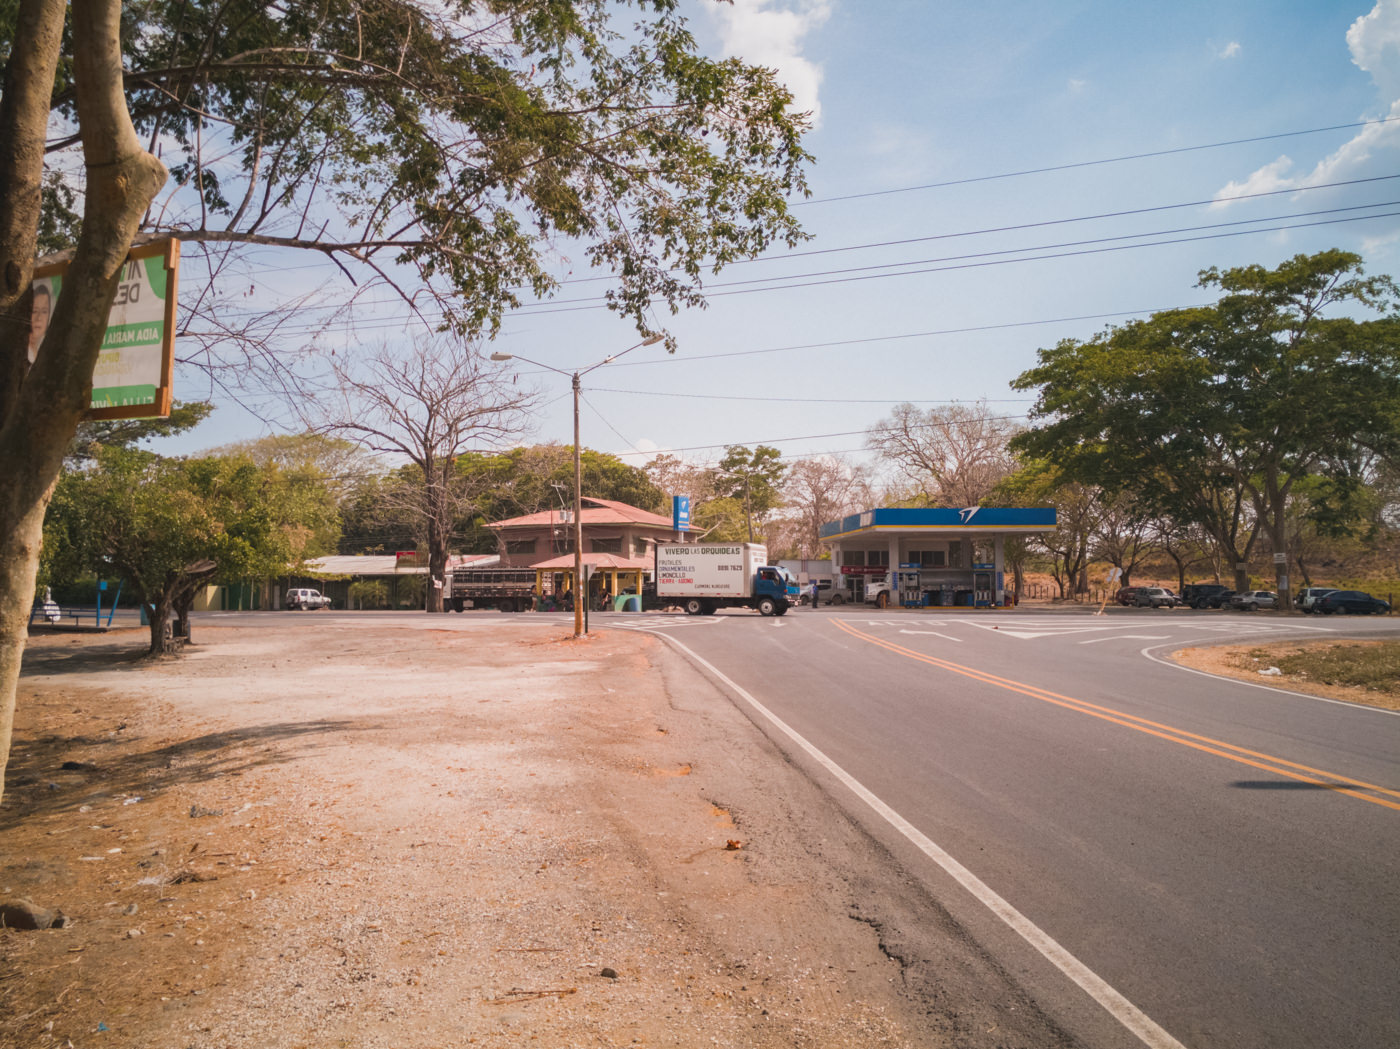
[910,595]
[982,586]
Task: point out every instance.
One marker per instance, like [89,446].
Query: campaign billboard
[132,378]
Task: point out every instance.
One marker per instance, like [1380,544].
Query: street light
[579,597]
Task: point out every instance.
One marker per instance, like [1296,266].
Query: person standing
[815,593]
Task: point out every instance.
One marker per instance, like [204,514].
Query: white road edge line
[1122,1010]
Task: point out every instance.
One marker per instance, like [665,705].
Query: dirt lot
[383,837]
[332,837]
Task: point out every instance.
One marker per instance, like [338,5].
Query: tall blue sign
[680,512]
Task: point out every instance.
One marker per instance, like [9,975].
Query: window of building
[639,547]
[607,544]
[520,546]
[854,558]
[928,558]
[877,557]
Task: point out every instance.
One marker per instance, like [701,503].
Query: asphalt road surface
[1207,863]
[1157,857]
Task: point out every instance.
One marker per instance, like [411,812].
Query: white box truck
[705,577]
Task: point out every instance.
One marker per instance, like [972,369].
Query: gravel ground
[338,836]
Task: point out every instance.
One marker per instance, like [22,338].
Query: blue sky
[909,94]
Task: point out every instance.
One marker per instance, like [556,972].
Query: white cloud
[770,33]
[1374,40]
[1076,85]
[1269,177]
[1230,50]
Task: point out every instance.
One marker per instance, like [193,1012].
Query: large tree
[41,404]
[539,477]
[428,405]
[954,455]
[817,491]
[753,479]
[450,152]
[1079,510]
[168,526]
[1214,415]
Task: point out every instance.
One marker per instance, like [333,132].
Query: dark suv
[1199,595]
[1220,599]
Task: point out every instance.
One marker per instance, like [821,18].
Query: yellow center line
[1205,744]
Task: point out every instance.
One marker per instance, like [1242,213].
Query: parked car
[1155,597]
[1349,601]
[304,600]
[1253,600]
[1306,599]
[1127,595]
[1218,600]
[823,593]
[1198,595]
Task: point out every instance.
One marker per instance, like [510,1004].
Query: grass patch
[1374,666]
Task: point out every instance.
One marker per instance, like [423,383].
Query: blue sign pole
[680,512]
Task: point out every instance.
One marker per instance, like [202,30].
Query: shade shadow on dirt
[54,774]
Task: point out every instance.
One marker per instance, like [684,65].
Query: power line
[1069,244]
[801,400]
[1094,163]
[1057,222]
[981,260]
[972,329]
[942,236]
[816,436]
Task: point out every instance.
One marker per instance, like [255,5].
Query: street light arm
[527,360]
[651,340]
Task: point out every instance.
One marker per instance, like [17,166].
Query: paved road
[1225,858]
[1157,857]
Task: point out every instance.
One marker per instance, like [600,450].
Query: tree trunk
[439,531]
[24,112]
[42,405]
[183,604]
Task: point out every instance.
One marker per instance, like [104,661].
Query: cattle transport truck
[705,577]
[509,589]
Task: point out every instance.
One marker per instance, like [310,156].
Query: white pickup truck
[303,600]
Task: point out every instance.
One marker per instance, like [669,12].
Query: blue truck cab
[776,582]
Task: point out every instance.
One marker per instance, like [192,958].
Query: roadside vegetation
[1373,666]
[1365,672]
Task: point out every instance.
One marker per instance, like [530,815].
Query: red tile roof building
[627,535]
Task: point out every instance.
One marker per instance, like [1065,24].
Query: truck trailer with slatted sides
[509,589]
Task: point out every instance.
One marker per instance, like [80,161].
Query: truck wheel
[767,606]
[694,606]
[783,608]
